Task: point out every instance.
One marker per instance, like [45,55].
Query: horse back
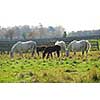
[52,48]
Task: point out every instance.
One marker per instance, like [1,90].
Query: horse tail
[88,45]
[34,48]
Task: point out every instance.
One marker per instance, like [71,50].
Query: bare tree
[10,33]
[41,30]
[33,34]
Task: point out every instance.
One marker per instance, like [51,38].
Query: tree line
[84,33]
[40,32]
[31,32]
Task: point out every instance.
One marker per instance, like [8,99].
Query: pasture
[56,70]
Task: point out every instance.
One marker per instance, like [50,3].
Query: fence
[6,45]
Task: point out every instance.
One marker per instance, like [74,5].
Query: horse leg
[33,50]
[82,54]
[74,53]
[74,56]
[51,55]
[54,53]
[11,54]
[20,53]
[43,55]
[32,53]
[62,54]
[58,53]
[48,55]
[38,53]
[86,53]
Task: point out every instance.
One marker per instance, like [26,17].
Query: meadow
[73,69]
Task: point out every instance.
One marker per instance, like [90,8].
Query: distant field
[30,70]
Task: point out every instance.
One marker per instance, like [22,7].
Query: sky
[73,15]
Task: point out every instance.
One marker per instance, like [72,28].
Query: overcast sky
[73,15]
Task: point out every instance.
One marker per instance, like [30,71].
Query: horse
[76,46]
[62,44]
[49,50]
[21,47]
[40,49]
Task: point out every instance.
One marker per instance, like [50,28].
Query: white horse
[21,47]
[62,44]
[76,46]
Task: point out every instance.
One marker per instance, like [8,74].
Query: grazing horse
[62,44]
[50,49]
[21,47]
[76,46]
[40,49]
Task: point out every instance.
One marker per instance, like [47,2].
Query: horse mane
[15,45]
[88,45]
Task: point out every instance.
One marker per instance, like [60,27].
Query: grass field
[30,70]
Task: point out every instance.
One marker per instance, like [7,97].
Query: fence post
[97,45]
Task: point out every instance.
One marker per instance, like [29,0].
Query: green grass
[63,70]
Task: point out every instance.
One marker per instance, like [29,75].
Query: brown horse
[50,49]
[40,49]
